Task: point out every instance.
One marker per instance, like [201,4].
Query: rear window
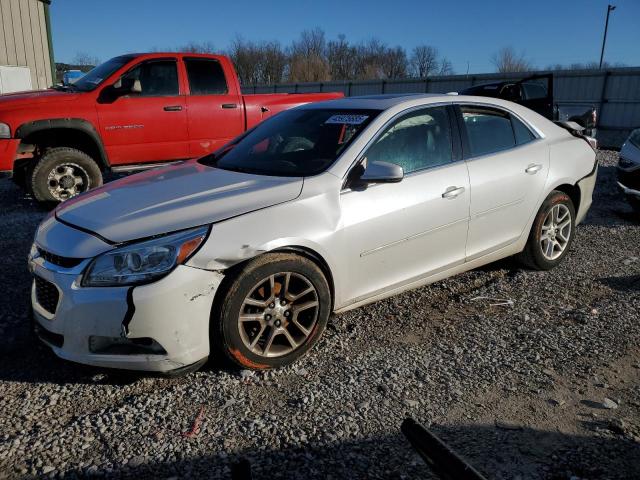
[206,77]
[294,143]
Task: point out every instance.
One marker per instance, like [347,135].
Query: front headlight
[5,131]
[144,261]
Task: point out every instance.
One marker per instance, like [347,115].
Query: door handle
[229,105]
[172,108]
[452,192]
[533,168]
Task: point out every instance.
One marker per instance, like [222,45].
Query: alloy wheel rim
[67,180]
[556,232]
[279,314]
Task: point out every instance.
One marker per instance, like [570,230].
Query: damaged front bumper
[160,327]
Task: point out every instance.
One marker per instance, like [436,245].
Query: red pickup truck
[133,111]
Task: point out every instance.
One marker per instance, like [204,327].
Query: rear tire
[551,234]
[265,319]
[62,173]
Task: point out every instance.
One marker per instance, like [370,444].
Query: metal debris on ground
[197,423]
[497,302]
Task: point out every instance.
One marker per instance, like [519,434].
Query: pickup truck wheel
[552,233]
[274,310]
[62,173]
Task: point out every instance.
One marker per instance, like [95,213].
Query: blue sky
[547,31]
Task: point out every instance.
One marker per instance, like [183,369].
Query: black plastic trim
[131,310]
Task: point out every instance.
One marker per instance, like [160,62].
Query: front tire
[62,173]
[274,310]
[551,234]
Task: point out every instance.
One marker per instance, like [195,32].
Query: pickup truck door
[215,111]
[508,167]
[149,125]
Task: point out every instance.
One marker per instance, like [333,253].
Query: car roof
[378,102]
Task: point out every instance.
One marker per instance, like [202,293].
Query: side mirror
[382,172]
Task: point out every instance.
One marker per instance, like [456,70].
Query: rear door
[150,126]
[396,233]
[215,112]
[508,166]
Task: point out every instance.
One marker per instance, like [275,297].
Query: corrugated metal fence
[614,92]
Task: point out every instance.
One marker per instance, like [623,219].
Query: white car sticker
[347,119]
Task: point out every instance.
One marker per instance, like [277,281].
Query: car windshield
[97,75]
[294,143]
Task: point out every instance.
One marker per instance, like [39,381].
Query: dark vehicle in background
[536,93]
[629,169]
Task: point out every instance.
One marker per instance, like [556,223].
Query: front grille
[47,294]
[65,262]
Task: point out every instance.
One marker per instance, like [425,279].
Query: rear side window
[206,77]
[418,140]
[158,78]
[488,130]
[522,132]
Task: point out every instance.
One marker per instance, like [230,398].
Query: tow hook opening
[125,346]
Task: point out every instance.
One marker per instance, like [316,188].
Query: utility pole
[610,8]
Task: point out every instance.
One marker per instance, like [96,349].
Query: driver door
[149,126]
[397,233]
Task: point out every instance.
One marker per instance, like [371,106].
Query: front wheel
[551,234]
[62,173]
[274,310]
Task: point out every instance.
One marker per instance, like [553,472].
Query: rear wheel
[551,234]
[274,310]
[62,173]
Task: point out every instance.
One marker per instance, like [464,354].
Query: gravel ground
[546,388]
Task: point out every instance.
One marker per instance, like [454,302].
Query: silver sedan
[321,209]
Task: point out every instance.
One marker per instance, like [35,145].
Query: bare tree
[198,47]
[85,61]
[246,58]
[446,68]
[273,62]
[394,63]
[342,58]
[307,61]
[507,60]
[424,61]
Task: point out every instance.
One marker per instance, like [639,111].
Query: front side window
[206,76]
[488,130]
[294,143]
[158,78]
[418,140]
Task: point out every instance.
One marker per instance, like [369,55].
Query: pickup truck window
[206,77]
[97,75]
[294,143]
[158,78]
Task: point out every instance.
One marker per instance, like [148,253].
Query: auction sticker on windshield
[347,119]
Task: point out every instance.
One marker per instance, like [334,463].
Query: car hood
[17,99]
[173,198]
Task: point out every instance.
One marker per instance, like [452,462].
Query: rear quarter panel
[259,107]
